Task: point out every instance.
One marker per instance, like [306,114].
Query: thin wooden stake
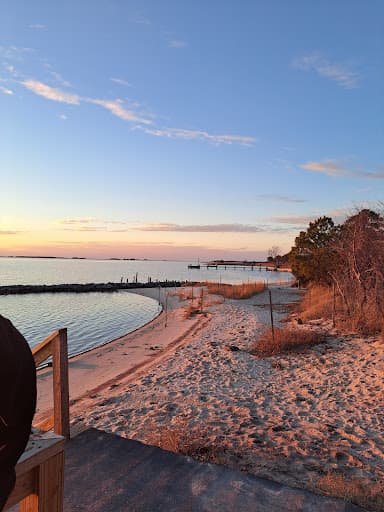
[271,311]
[334,306]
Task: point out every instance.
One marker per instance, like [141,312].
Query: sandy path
[292,418]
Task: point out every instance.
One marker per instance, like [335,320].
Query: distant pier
[252,265]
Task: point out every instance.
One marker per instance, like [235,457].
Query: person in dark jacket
[17,402]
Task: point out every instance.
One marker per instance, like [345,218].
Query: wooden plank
[30,504]
[25,485]
[45,425]
[43,350]
[51,484]
[39,454]
[60,384]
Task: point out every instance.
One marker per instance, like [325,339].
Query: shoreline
[100,366]
[309,419]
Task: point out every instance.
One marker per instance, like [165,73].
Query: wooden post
[49,486]
[166,309]
[201,299]
[334,306]
[271,312]
[60,384]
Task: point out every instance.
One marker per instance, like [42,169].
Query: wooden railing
[40,470]
[55,345]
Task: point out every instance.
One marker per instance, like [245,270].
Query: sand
[298,419]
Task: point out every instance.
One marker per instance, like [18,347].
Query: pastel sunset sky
[182,129]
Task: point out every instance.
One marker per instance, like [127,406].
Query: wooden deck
[106,473]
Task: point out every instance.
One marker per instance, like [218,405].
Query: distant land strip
[21,289]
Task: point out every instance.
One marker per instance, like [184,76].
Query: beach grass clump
[179,438]
[280,340]
[235,291]
[322,302]
[317,303]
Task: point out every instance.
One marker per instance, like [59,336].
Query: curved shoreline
[98,367]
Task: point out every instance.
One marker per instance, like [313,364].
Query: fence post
[60,384]
[271,312]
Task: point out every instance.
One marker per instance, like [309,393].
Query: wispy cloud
[177,43]
[116,107]
[339,169]
[5,90]
[202,228]
[301,220]
[86,228]
[140,20]
[86,220]
[15,53]
[9,232]
[92,224]
[342,74]
[51,93]
[63,117]
[279,198]
[37,26]
[58,78]
[181,133]
[120,81]
[140,121]
[329,167]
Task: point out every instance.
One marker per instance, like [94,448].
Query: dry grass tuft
[180,439]
[284,340]
[371,497]
[235,291]
[317,303]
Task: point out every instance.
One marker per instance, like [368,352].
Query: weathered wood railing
[55,345]
[40,470]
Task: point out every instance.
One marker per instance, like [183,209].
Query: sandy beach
[311,419]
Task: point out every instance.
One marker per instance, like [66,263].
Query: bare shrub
[371,497]
[235,291]
[359,274]
[284,340]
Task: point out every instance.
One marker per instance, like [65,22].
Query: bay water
[95,318]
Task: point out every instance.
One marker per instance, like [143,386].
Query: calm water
[92,319]
[96,318]
[52,271]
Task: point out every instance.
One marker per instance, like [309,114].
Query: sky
[180,129]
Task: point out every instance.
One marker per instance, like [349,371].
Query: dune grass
[235,291]
[365,317]
[284,340]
